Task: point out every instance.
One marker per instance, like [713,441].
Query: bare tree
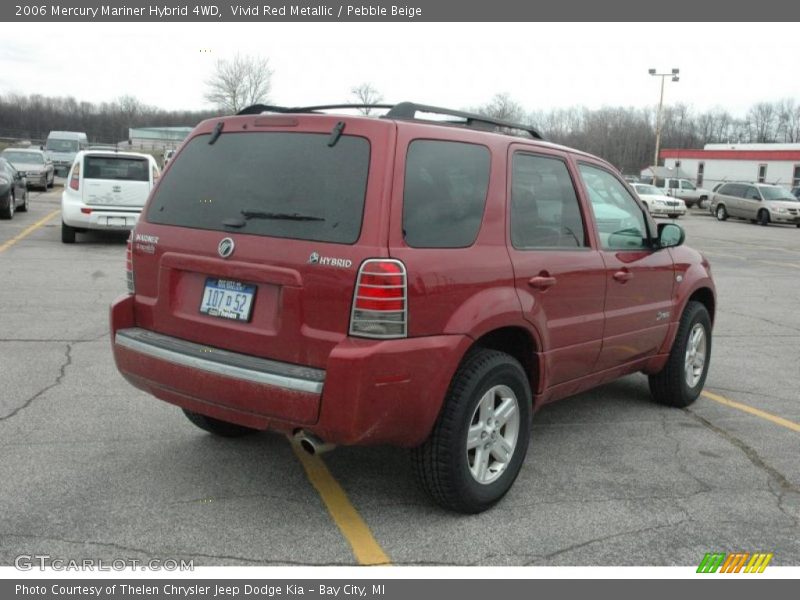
[239,82]
[366,94]
[503,107]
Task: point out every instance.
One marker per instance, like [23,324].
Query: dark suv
[424,279]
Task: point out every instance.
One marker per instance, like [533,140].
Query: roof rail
[407,110]
[259,108]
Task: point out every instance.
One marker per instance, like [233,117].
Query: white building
[763,163]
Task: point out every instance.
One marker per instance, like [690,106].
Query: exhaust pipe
[311,443]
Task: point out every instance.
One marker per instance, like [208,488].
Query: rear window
[287,185]
[445,193]
[115,167]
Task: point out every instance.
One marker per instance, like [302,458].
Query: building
[155,138]
[715,163]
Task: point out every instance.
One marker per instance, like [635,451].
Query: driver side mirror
[670,235]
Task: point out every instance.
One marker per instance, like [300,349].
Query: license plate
[228,299]
[116,222]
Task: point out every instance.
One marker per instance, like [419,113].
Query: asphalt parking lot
[92,467]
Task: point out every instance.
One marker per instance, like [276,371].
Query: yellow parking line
[753,411]
[357,533]
[27,231]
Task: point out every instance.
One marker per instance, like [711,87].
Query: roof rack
[407,111]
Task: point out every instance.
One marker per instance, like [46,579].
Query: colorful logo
[735,562]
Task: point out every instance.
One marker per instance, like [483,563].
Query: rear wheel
[480,439]
[67,233]
[681,380]
[7,211]
[217,427]
[763,218]
[722,213]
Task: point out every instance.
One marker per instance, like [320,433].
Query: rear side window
[544,207]
[444,193]
[113,167]
[732,189]
[287,185]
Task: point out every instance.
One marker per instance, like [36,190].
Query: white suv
[105,190]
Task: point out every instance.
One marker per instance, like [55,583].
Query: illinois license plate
[228,299]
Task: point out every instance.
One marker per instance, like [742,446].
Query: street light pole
[674,75]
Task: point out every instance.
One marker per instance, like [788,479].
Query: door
[559,278]
[639,279]
[730,195]
[751,203]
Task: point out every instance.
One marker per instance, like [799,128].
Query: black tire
[763,218]
[670,385]
[67,233]
[442,462]
[7,211]
[217,427]
[721,212]
[24,207]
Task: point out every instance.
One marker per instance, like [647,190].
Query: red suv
[424,279]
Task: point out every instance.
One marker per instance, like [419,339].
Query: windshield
[777,193]
[287,185]
[23,157]
[113,167]
[648,189]
[62,145]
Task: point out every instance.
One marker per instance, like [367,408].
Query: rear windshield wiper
[258,214]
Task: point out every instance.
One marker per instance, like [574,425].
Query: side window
[673,184]
[544,207]
[687,185]
[620,221]
[752,193]
[445,193]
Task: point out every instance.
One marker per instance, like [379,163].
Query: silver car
[757,202]
[33,165]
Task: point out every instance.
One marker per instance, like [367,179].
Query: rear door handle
[542,282]
[623,276]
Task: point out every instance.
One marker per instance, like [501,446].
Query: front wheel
[721,213]
[763,218]
[24,207]
[217,427]
[681,380]
[480,439]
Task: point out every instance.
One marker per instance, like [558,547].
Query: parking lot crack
[612,536]
[61,374]
[773,475]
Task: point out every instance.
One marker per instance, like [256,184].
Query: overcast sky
[457,65]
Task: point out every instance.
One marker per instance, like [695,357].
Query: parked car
[685,190]
[351,280]
[33,165]
[168,154]
[658,203]
[756,202]
[63,146]
[105,190]
[13,190]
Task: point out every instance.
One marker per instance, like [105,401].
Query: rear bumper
[114,218]
[371,391]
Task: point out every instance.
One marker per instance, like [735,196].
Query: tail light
[129,265]
[380,300]
[75,180]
